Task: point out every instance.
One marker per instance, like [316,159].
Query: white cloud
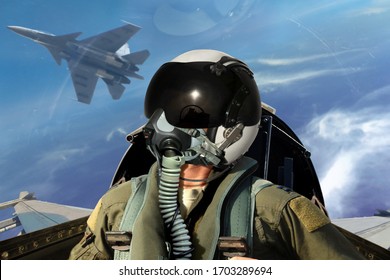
[60,155]
[267,81]
[349,148]
[301,59]
[339,175]
[371,8]
[369,11]
[39,170]
[119,130]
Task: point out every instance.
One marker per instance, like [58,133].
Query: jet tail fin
[137,57]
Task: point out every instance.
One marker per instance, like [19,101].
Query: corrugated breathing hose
[169,208]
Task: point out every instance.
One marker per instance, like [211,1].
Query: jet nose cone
[15,28]
[26,32]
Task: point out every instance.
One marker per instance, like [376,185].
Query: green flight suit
[286,226]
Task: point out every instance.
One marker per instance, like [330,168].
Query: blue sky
[322,64]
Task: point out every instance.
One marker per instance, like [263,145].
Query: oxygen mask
[162,138]
[193,144]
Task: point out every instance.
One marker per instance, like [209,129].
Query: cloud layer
[351,150]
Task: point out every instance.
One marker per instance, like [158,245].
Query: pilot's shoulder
[120,193]
[273,200]
[270,202]
[275,196]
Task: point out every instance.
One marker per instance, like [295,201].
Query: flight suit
[286,225]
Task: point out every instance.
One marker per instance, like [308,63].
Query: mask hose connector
[169,208]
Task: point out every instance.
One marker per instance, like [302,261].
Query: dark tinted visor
[194,94]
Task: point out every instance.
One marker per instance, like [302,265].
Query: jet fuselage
[109,65]
[92,58]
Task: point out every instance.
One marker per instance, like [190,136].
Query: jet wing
[113,39]
[375,228]
[35,214]
[84,82]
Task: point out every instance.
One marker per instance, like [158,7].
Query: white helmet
[203,89]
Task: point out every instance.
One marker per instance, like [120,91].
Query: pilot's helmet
[208,89]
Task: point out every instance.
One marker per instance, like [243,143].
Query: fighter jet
[105,56]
